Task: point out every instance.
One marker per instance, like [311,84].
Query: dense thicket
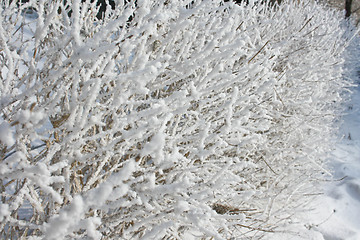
[166,119]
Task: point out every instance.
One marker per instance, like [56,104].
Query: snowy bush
[165,120]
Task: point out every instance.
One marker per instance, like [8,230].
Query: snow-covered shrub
[166,119]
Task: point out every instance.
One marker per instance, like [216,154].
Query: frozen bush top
[165,119]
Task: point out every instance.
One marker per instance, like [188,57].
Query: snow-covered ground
[337,213]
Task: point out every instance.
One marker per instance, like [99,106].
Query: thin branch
[239,26]
[258,51]
[32,148]
[305,24]
[255,228]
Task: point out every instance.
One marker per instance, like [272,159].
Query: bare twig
[255,228]
[32,148]
[258,51]
[277,94]
[239,26]
[305,24]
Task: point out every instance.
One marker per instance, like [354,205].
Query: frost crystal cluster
[166,119]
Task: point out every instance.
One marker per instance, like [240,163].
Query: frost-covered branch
[164,118]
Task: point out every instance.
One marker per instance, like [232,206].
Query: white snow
[4,211]
[6,134]
[336,214]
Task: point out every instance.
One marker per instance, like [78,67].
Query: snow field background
[167,119]
[335,212]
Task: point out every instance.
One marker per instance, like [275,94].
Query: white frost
[6,134]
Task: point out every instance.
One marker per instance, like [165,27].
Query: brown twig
[239,26]
[258,51]
[270,167]
[34,53]
[277,94]
[255,228]
[305,24]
